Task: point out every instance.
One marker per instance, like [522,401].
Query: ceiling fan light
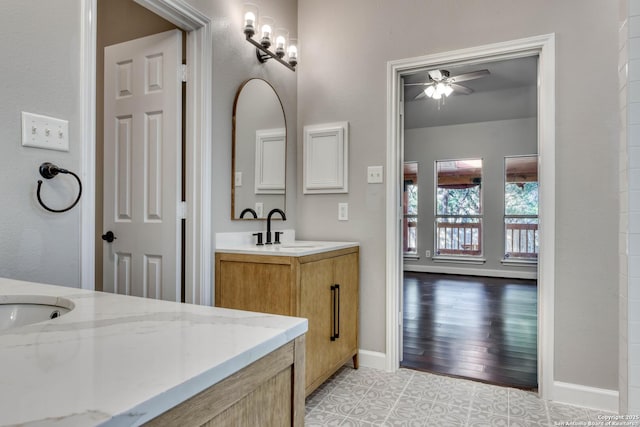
[429,91]
[448,90]
[436,95]
[440,89]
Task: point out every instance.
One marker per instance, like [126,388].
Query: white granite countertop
[245,243]
[120,361]
[298,248]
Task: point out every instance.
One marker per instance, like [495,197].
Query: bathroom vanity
[119,360]
[315,280]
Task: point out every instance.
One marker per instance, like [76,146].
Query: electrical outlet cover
[343,211]
[374,175]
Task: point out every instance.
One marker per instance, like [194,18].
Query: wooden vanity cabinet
[321,287]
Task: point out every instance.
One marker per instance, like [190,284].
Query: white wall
[343,77]
[489,141]
[40,69]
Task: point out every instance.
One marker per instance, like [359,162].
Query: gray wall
[40,44]
[40,71]
[342,76]
[489,141]
[234,61]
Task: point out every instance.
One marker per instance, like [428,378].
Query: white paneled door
[143,166]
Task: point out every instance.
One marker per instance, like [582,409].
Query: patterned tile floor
[369,397]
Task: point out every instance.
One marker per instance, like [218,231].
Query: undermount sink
[21,310]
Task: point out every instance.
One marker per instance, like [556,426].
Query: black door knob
[109,237]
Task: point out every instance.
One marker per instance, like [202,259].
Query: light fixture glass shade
[282,36]
[429,91]
[266,30]
[440,89]
[292,52]
[250,19]
[448,90]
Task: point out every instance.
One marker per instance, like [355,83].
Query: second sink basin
[21,310]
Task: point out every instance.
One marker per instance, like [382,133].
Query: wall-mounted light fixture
[268,36]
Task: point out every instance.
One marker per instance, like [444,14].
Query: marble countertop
[121,361]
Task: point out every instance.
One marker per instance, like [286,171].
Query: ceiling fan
[442,83]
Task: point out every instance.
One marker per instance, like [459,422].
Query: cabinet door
[346,277]
[316,304]
[252,286]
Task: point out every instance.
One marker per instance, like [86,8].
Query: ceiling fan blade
[435,74]
[418,84]
[469,76]
[420,95]
[461,89]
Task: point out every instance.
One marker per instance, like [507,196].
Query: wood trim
[298,395]
[294,276]
[208,404]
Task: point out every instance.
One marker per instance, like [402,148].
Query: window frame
[477,255]
[507,257]
[406,216]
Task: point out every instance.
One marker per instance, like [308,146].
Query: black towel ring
[49,170]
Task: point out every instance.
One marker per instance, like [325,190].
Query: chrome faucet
[271,212]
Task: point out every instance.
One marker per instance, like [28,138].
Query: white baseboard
[511,274]
[587,397]
[372,359]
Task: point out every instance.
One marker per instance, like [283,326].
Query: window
[458,205]
[521,208]
[410,209]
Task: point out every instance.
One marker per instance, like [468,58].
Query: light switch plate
[375,174]
[238,179]
[343,211]
[45,132]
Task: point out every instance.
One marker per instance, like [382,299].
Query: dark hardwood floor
[484,328]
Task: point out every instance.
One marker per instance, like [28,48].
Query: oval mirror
[259,152]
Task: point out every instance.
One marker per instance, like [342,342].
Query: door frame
[544,47]
[198,238]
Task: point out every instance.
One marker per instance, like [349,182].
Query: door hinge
[182,210]
[183,72]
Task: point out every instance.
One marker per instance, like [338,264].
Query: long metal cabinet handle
[337,333]
[334,314]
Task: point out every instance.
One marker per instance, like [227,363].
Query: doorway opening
[129,202]
[474,221]
[197,183]
[472,256]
